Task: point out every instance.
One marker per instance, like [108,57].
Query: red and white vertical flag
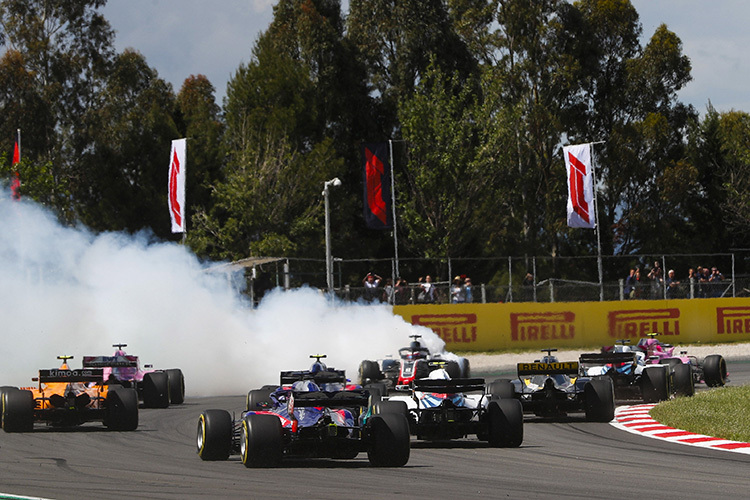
[15,181]
[580,186]
[176,196]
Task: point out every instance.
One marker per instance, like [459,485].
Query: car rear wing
[319,399]
[61,375]
[322,377]
[615,358]
[556,368]
[125,361]
[452,386]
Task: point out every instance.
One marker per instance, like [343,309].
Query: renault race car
[711,370]
[415,362]
[156,388]
[550,388]
[68,397]
[442,408]
[305,419]
[633,378]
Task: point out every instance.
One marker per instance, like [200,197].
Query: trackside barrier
[525,325]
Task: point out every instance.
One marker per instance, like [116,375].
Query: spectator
[714,279]
[527,287]
[656,275]
[630,283]
[388,291]
[371,282]
[692,280]
[468,291]
[427,294]
[639,285]
[705,275]
[672,285]
[401,292]
[458,294]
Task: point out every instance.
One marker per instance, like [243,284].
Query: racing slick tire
[453,369]
[17,410]
[505,419]
[155,390]
[715,370]
[176,386]
[214,439]
[600,400]
[501,389]
[682,380]
[261,440]
[655,384]
[464,368]
[257,400]
[388,440]
[377,391]
[122,409]
[369,372]
[671,362]
[390,407]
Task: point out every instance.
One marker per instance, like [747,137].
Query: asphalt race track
[571,459]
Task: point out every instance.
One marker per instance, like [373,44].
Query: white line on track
[636,419]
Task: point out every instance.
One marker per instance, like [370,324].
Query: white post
[329,264]
[598,226]
[393,207]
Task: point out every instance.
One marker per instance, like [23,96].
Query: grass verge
[721,413]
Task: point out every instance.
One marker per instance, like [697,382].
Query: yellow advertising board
[531,325]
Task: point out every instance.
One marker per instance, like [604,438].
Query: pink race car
[711,370]
[156,388]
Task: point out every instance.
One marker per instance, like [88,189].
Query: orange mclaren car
[68,397]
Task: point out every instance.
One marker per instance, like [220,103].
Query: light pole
[329,264]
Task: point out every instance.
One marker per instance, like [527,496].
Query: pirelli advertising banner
[522,325]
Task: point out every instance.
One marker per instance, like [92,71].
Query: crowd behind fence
[515,279]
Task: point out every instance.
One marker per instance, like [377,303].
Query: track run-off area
[571,458]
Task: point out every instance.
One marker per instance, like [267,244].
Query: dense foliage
[478,97]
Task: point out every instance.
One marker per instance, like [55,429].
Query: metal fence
[510,279]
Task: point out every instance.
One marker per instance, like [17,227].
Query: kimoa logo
[638,323]
[732,320]
[542,326]
[452,328]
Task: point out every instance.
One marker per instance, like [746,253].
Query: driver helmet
[439,374]
[318,366]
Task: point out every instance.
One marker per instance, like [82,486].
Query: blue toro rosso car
[312,414]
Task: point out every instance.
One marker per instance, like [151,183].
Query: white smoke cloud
[68,291]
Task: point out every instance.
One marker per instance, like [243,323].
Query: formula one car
[416,361]
[633,379]
[441,408]
[68,398]
[156,388]
[711,370]
[329,380]
[303,420]
[550,388]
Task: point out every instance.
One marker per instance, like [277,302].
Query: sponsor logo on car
[732,320]
[563,368]
[452,328]
[542,326]
[639,323]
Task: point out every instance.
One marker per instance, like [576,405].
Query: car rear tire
[369,372]
[122,409]
[176,386]
[505,419]
[671,362]
[600,400]
[464,368]
[17,410]
[261,442]
[501,389]
[684,385]
[377,391]
[155,390]
[258,400]
[715,370]
[389,440]
[214,439]
[655,384]
[453,369]
[390,407]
